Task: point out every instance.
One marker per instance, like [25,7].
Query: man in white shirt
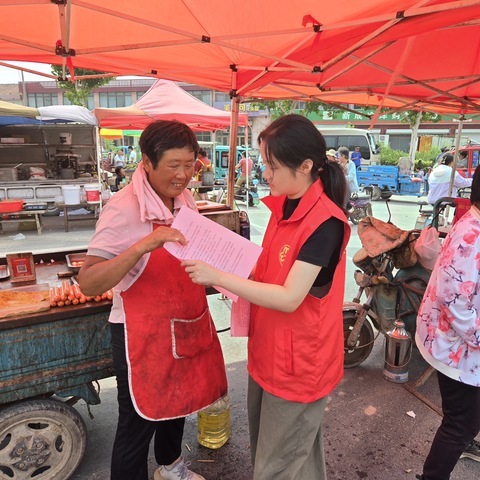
[132,155]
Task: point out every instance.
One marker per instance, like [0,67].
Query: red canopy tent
[264,49]
[416,53]
[165,100]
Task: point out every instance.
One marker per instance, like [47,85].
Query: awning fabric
[8,109]
[13,114]
[416,53]
[165,100]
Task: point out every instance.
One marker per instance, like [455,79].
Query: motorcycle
[426,216]
[360,208]
[390,283]
[250,194]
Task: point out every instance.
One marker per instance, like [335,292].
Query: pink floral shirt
[448,322]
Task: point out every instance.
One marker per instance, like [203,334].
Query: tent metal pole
[247,157]
[455,158]
[232,157]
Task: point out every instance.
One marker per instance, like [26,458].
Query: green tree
[279,108]
[77,92]
[414,119]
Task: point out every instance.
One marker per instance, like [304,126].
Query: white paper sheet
[214,244]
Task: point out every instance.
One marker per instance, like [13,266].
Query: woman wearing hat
[332,155]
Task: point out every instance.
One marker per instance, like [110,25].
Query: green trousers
[285,437]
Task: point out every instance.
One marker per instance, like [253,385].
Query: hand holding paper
[214,244]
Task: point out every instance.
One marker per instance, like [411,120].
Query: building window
[223,137]
[90,101]
[222,97]
[42,99]
[203,95]
[140,94]
[115,99]
[204,136]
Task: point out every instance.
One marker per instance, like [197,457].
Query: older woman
[166,353]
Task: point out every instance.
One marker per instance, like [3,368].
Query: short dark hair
[448,159]
[163,135]
[130,147]
[202,153]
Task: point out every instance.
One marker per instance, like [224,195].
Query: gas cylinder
[244,225]
[398,352]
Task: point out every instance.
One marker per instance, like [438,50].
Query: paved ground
[368,432]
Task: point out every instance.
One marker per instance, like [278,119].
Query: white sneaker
[179,472]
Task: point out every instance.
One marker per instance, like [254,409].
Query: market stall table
[78,218]
[23,216]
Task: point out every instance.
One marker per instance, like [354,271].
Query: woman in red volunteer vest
[166,353]
[295,346]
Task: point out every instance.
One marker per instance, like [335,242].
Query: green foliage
[427,158]
[108,145]
[410,116]
[389,156]
[77,92]
[279,108]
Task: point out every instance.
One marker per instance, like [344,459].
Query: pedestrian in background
[119,159]
[295,345]
[246,167]
[448,337]
[350,172]
[132,155]
[439,181]
[356,157]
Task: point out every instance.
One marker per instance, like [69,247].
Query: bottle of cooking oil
[214,424]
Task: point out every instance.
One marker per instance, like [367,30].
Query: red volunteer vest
[298,356]
[175,361]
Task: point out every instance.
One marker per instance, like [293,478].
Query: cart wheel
[376,193]
[40,439]
[354,356]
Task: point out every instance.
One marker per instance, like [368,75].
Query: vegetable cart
[48,361]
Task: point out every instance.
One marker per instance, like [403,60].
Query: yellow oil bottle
[214,424]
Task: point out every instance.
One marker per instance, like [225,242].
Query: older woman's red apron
[176,364]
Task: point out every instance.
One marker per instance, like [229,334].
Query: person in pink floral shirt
[448,337]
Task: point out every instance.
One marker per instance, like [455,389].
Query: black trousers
[460,425]
[134,433]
